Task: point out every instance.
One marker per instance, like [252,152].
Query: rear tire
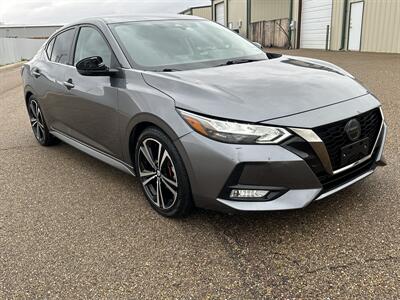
[162,174]
[38,124]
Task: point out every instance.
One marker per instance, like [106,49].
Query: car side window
[62,47]
[50,48]
[91,43]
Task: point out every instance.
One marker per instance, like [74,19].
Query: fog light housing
[248,193]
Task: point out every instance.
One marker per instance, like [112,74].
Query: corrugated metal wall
[237,15]
[380,27]
[203,12]
[265,10]
[295,18]
[27,31]
[336,24]
[22,42]
[14,49]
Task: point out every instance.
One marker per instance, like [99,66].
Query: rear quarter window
[49,48]
[62,47]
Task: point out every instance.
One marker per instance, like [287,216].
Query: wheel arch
[146,120]
[28,92]
[138,125]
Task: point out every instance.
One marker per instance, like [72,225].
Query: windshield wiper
[170,70]
[238,61]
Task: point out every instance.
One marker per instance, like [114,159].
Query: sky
[60,12]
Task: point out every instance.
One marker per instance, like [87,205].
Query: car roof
[134,18]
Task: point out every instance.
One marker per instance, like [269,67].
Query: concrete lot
[73,227]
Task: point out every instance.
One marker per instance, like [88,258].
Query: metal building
[354,25]
[27,31]
[200,11]
[18,42]
[369,25]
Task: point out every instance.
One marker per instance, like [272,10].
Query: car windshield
[175,45]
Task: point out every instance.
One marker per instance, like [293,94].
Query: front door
[93,103]
[355,26]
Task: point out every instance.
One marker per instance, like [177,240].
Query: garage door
[219,13]
[315,16]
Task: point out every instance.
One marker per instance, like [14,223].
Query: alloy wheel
[157,173]
[37,122]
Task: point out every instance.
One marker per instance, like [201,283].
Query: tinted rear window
[62,47]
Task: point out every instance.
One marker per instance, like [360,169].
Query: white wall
[13,50]
[29,31]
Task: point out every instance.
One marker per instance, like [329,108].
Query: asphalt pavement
[72,227]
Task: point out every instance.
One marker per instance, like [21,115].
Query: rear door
[49,74]
[93,102]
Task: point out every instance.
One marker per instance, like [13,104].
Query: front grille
[330,182]
[334,137]
[333,181]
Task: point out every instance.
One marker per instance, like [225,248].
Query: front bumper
[211,166]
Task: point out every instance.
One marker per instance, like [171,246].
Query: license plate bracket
[355,151]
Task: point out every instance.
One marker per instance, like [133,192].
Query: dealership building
[354,25]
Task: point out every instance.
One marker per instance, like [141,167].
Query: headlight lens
[234,132]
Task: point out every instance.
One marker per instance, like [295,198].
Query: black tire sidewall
[48,138]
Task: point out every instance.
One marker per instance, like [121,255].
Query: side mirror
[94,66]
[258,45]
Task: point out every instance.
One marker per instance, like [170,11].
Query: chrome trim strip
[324,195]
[383,142]
[318,146]
[106,158]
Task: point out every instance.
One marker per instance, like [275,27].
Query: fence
[16,49]
[271,33]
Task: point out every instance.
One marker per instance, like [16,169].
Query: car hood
[258,91]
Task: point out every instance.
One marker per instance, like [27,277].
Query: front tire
[162,174]
[38,124]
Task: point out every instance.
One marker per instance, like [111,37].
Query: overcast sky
[64,11]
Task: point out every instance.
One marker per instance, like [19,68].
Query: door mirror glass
[93,66]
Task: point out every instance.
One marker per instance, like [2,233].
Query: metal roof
[194,7]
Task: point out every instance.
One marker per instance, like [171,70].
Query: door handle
[68,84]
[36,73]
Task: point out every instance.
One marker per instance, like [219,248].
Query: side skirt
[106,158]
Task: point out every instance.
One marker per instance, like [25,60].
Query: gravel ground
[73,227]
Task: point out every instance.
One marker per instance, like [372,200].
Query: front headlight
[234,132]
